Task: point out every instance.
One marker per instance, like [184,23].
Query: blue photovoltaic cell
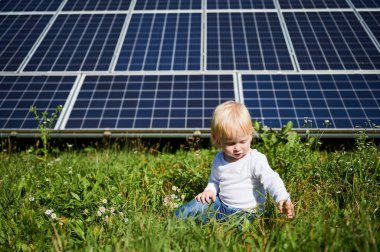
[246,41]
[331,40]
[28,5]
[92,5]
[170,41]
[313,4]
[17,36]
[78,43]
[19,93]
[168,5]
[366,3]
[240,4]
[372,20]
[148,102]
[345,101]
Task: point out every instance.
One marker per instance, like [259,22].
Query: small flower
[174,188]
[48,212]
[47,180]
[98,213]
[31,199]
[85,211]
[172,196]
[102,209]
[61,223]
[105,201]
[121,214]
[53,216]
[112,210]
[126,220]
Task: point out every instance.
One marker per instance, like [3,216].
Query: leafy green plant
[273,138]
[45,125]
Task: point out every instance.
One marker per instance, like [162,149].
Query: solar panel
[246,41]
[164,101]
[344,101]
[91,5]
[331,40]
[168,5]
[366,3]
[78,43]
[372,19]
[28,5]
[19,93]
[170,41]
[312,4]
[160,67]
[240,4]
[17,36]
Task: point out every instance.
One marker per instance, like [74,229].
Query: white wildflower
[121,214]
[172,196]
[174,188]
[61,223]
[48,212]
[112,210]
[105,201]
[98,213]
[31,199]
[102,209]
[126,220]
[53,216]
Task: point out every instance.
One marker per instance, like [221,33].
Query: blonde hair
[230,120]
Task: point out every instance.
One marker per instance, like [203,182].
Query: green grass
[336,196]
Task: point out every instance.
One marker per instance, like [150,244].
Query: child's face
[235,149]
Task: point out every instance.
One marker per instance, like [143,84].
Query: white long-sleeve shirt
[244,183]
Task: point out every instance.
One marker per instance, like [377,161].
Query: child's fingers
[213,197]
[280,206]
[289,208]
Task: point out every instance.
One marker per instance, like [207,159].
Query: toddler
[240,176]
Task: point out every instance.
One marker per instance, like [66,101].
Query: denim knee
[192,209]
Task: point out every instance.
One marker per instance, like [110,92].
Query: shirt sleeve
[213,181]
[270,180]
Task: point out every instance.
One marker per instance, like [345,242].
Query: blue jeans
[204,212]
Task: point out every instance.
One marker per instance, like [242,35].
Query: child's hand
[286,207]
[205,197]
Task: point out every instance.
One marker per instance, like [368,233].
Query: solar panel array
[159,67]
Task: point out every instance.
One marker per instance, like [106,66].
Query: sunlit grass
[114,199]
